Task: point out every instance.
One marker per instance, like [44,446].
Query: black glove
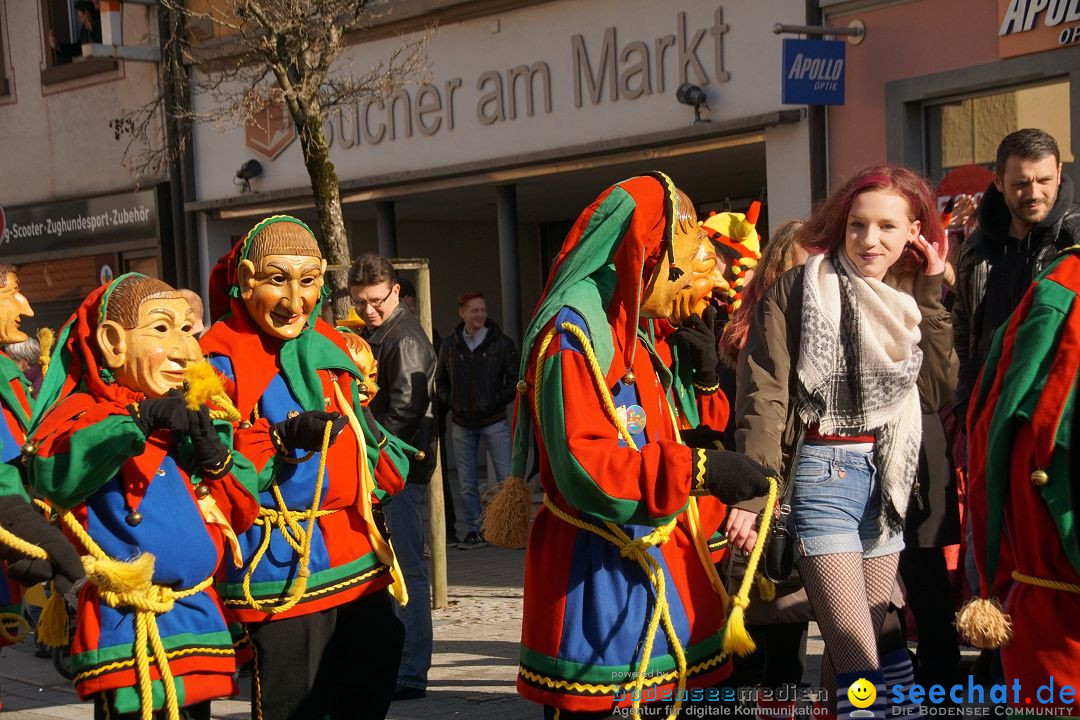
[165,413]
[703,437]
[697,339]
[733,478]
[372,426]
[211,455]
[25,521]
[305,431]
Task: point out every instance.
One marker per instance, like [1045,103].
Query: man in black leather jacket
[1027,216]
[476,379]
[403,406]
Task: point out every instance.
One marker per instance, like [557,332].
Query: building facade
[936,85]
[72,215]
[533,108]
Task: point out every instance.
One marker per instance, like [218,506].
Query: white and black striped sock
[897,669]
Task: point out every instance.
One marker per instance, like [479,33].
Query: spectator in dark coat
[476,379]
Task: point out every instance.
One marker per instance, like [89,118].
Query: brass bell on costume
[1039,478]
[133,518]
[201,491]
[522,387]
[420,455]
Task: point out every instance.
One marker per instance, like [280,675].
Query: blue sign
[813,72]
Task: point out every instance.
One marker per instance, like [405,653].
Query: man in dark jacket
[403,406]
[1027,216]
[477,378]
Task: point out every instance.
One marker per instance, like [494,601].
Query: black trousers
[338,663]
[103,710]
[926,578]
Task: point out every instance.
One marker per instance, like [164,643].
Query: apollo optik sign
[1028,26]
[813,72]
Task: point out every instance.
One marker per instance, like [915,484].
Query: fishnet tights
[850,596]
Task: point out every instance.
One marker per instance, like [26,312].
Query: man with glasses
[406,361]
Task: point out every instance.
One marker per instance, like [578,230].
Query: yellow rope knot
[636,548]
[299,538]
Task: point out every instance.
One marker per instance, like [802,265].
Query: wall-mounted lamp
[250,169]
[689,94]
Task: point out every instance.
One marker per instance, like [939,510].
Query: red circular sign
[966,179]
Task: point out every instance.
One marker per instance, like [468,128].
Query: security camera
[690,94]
[250,169]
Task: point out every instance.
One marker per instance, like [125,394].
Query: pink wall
[902,40]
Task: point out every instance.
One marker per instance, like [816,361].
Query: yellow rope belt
[1044,583]
[637,550]
[298,537]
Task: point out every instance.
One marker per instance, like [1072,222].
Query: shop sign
[967,180]
[1029,26]
[108,219]
[813,72]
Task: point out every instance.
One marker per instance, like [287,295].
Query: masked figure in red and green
[17,515]
[317,588]
[1023,499]
[622,602]
[151,491]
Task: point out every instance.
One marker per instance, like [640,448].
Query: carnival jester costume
[621,597]
[19,520]
[317,565]
[138,475]
[1022,497]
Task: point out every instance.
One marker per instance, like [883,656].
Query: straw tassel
[982,621]
[46,338]
[506,519]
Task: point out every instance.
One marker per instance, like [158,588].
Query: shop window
[966,131]
[68,24]
[145,264]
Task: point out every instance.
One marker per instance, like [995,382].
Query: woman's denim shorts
[835,504]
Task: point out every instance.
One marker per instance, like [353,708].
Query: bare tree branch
[237,54]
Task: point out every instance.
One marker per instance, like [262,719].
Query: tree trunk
[327,192]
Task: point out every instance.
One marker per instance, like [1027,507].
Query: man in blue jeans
[406,361]
[476,379]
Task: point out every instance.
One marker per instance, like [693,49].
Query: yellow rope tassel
[52,631]
[984,624]
[507,516]
[46,338]
[736,639]
[52,626]
[204,387]
[299,538]
[766,588]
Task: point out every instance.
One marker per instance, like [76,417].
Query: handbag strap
[789,476]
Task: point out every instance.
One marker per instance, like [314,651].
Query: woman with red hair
[837,357]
